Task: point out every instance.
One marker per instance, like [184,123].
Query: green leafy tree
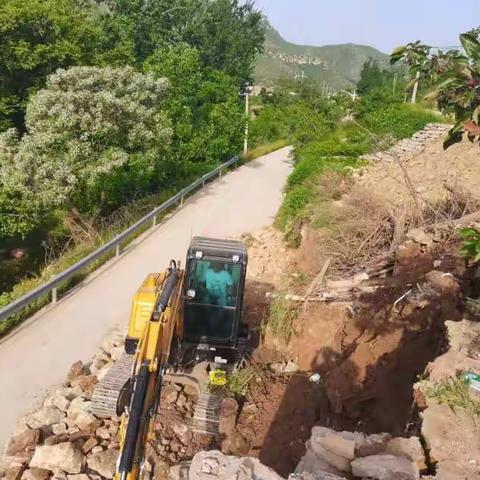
[86,127]
[415,56]
[226,33]
[36,38]
[203,104]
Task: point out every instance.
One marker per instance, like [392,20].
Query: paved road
[39,354]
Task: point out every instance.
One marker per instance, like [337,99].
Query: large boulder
[384,467]
[410,448]
[214,465]
[63,456]
[104,462]
[45,417]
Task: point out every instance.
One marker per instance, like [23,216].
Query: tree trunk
[415,88]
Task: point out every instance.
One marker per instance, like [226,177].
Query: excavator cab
[213,291]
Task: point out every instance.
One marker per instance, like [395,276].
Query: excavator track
[110,391]
[206,418]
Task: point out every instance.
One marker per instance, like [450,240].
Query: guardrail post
[117,250]
[54,295]
[154,221]
[181,200]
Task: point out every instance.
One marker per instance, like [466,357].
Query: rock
[182,400]
[76,370]
[104,462]
[410,448]
[35,474]
[56,439]
[77,406]
[340,463]
[23,441]
[58,401]
[87,422]
[81,476]
[64,456]
[443,283]
[318,475]
[86,383]
[59,428]
[170,395]
[371,444]
[339,446]
[312,464]
[15,472]
[183,432]
[384,467]
[213,465]
[97,449]
[89,444]
[190,390]
[291,367]
[45,417]
[179,472]
[249,409]
[103,432]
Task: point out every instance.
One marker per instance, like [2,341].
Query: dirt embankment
[377,318]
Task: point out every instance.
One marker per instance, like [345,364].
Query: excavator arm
[155,317]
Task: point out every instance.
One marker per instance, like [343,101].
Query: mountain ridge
[338,65]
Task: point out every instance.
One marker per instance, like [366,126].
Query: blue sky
[383,24]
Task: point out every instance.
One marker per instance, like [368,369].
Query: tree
[373,76]
[36,38]
[226,33]
[88,125]
[415,56]
[203,103]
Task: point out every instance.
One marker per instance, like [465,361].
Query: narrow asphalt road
[38,355]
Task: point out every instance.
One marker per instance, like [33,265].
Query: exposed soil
[430,171]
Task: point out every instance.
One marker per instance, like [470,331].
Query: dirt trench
[369,353]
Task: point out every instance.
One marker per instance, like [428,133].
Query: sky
[383,24]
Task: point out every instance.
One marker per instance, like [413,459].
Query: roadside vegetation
[106,109]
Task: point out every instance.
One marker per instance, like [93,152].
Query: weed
[241,379]
[455,393]
[281,319]
[471,243]
[263,149]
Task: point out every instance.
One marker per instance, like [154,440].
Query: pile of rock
[452,435]
[342,454]
[63,440]
[330,455]
[410,146]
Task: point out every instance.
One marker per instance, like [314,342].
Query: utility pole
[247,119]
[394,83]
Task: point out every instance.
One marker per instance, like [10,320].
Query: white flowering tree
[84,128]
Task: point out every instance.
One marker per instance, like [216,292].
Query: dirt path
[39,353]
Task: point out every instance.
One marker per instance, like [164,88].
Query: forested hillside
[107,103]
[337,65]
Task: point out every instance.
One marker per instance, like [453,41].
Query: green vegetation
[330,134]
[453,78]
[455,393]
[280,319]
[241,379]
[471,243]
[104,103]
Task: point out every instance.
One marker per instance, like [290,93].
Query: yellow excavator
[185,326]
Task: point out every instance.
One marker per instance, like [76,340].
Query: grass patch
[261,150]
[241,379]
[281,319]
[455,393]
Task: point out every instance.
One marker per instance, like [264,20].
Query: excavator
[185,326]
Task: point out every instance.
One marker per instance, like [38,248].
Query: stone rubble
[410,146]
[63,440]
[330,455]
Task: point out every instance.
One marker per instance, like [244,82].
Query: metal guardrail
[114,244]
